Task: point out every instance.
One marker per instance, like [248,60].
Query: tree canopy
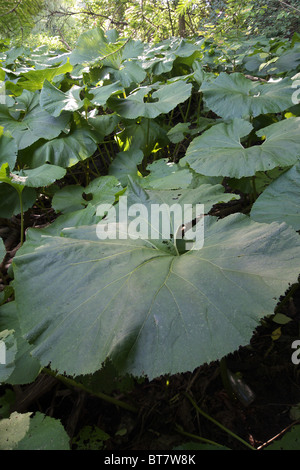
[61,21]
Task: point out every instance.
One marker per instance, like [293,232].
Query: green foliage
[16,15]
[158,291]
[23,432]
[275,18]
[59,22]
[280,200]
[178,121]
[219,152]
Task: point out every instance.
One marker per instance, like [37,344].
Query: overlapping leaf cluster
[181,121]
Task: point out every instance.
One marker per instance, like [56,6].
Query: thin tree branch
[170,17]
[62,39]
[87,12]
[288,5]
[12,10]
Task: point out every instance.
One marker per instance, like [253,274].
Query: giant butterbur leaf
[33,79]
[91,46]
[54,101]
[160,58]
[94,46]
[21,368]
[8,351]
[166,98]
[25,431]
[167,175]
[10,202]
[102,93]
[103,125]
[76,218]
[41,176]
[128,72]
[8,150]
[287,61]
[126,163]
[65,151]
[101,190]
[219,151]
[140,303]
[234,96]
[36,123]
[280,201]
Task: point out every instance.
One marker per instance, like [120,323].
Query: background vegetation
[59,22]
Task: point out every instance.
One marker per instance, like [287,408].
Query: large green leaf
[219,151]
[35,124]
[10,202]
[286,62]
[130,71]
[103,125]
[33,79]
[43,175]
[208,195]
[139,303]
[234,96]
[21,367]
[54,101]
[64,151]
[8,150]
[159,58]
[101,190]
[102,93]
[126,163]
[166,98]
[76,218]
[167,175]
[280,201]
[8,352]
[37,432]
[91,46]
[94,46]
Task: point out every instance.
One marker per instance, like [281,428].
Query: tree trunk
[181,26]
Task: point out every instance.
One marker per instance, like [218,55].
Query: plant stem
[95,166]
[85,169]
[188,109]
[107,151]
[73,176]
[232,434]
[171,117]
[254,188]
[194,436]
[181,112]
[102,157]
[147,144]
[199,108]
[72,383]
[22,218]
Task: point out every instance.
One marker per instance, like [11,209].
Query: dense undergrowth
[166,336]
